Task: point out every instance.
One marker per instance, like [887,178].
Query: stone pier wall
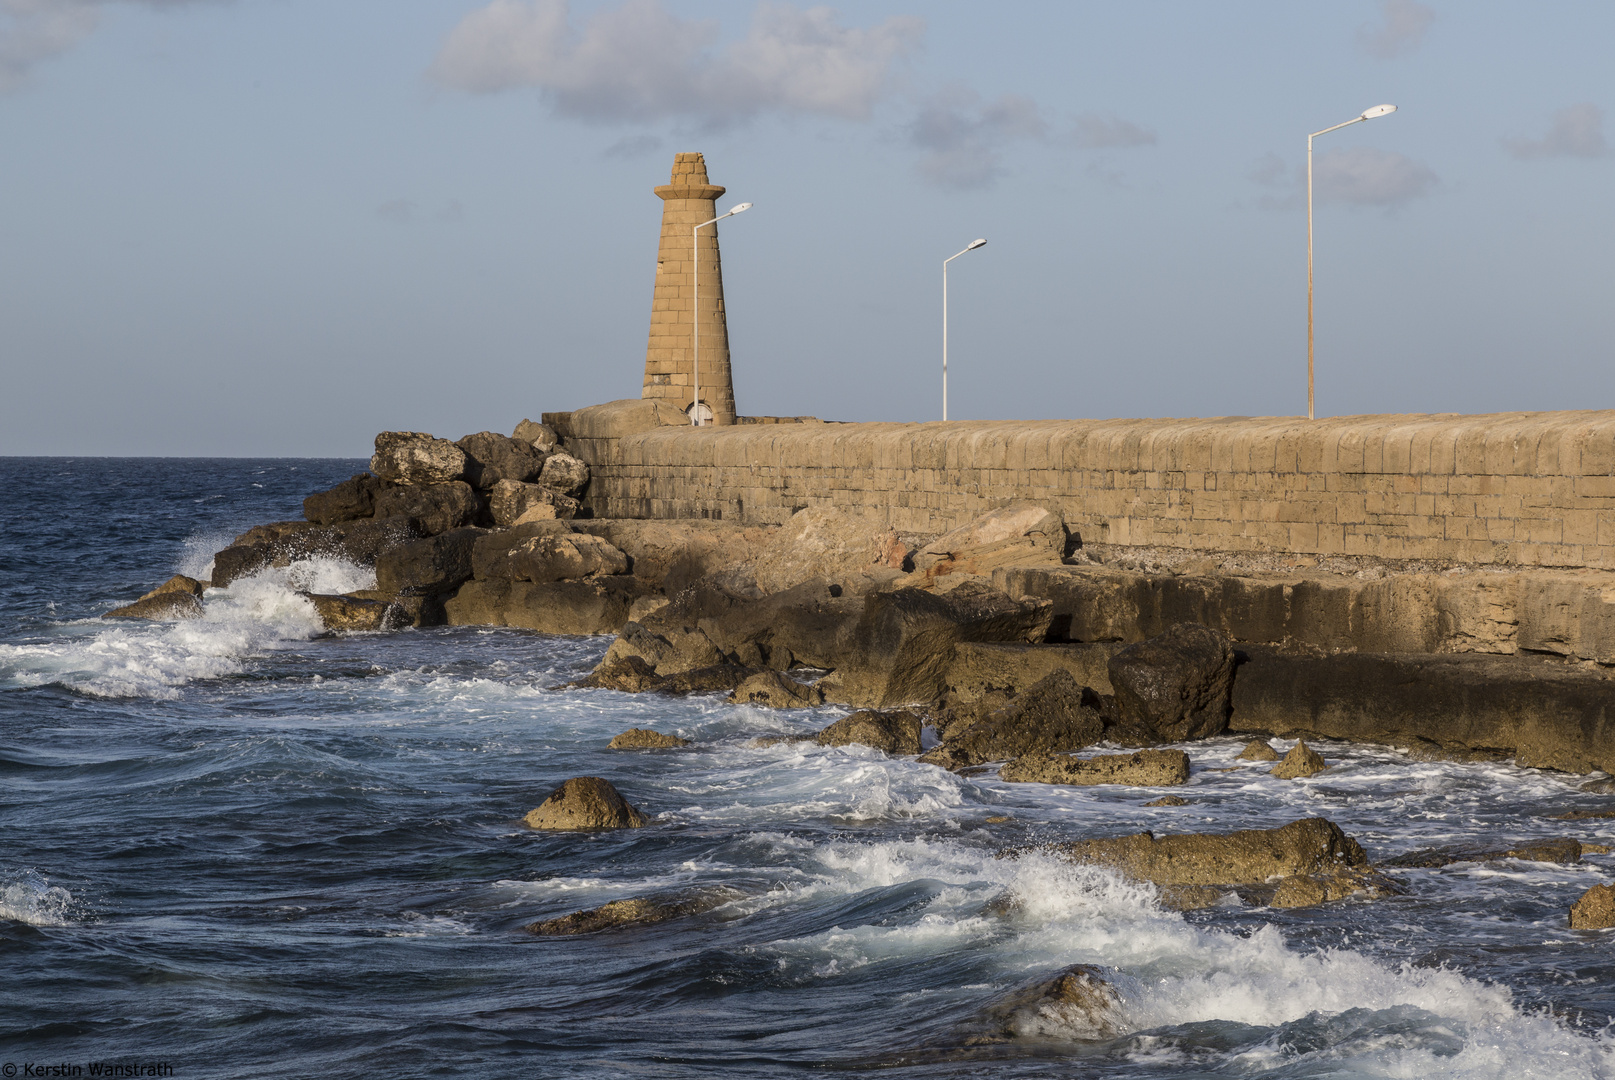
[1520,489]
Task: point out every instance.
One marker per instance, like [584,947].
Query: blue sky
[275,228]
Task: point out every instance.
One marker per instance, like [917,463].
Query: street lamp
[1368,114]
[974,244]
[695,304]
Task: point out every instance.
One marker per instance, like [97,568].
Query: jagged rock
[705,680]
[1301,761]
[1595,910]
[1563,850]
[1051,717]
[1078,1004]
[167,606]
[635,640]
[585,802]
[410,457]
[826,542]
[1309,890]
[591,606]
[645,739]
[563,558]
[510,502]
[436,564]
[629,674]
[349,613]
[902,644]
[1258,750]
[564,473]
[435,508]
[1173,687]
[777,691]
[1142,768]
[491,457]
[1168,800]
[1020,534]
[541,436]
[1248,857]
[281,543]
[892,732]
[637,911]
[350,500]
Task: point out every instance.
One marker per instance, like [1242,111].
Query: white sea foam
[255,615]
[27,897]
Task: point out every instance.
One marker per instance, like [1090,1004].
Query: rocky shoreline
[1002,641]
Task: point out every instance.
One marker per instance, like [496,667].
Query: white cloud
[1401,31]
[1576,132]
[640,62]
[34,31]
[962,137]
[1364,176]
[1094,132]
[1361,176]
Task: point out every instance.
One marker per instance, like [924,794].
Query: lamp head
[747,206]
[1378,111]
[974,244]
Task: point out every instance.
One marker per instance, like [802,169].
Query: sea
[240,846]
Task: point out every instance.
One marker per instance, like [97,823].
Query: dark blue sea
[239,847]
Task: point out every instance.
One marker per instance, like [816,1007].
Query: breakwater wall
[1513,489]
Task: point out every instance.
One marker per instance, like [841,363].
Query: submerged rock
[1247,857]
[1563,850]
[168,606]
[1258,750]
[645,739]
[777,691]
[1143,768]
[1078,1004]
[585,802]
[411,457]
[1168,800]
[705,680]
[1595,910]
[1309,890]
[892,732]
[1301,761]
[636,911]
[1173,687]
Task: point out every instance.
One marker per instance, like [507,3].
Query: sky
[276,227]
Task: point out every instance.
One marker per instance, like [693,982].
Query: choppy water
[242,848]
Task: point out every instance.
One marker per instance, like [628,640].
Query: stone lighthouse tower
[670,360]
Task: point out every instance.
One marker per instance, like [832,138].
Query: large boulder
[436,564]
[592,606]
[435,508]
[893,732]
[810,624]
[563,558]
[1247,857]
[542,437]
[1020,534]
[903,643]
[511,501]
[829,543]
[1595,910]
[1173,687]
[1054,716]
[410,457]
[352,499]
[645,739]
[1142,768]
[350,614]
[282,543]
[585,802]
[491,457]
[564,473]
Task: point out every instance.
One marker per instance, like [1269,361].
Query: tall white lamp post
[974,244]
[1368,114]
[695,305]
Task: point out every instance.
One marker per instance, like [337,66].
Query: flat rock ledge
[1143,768]
[585,802]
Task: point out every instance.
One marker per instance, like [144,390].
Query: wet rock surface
[777,690]
[1077,1004]
[1259,750]
[167,606]
[893,732]
[1056,715]
[1142,768]
[1302,761]
[1595,910]
[636,911]
[585,802]
[1562,850]
[646,739]
[1174,687]
[350,614]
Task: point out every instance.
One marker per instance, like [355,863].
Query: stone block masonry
[1510,489]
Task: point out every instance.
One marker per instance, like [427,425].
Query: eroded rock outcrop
[350,614]
[1258,750]
[164,606]
[1020,534]
[829,543]
[892,732]
[585,802]
[645,739]
[511,501]
[352,499]
[1142,768]
[1054,716]
[1173,687]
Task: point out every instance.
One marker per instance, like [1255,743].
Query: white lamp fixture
[972,246]
[1367,114]
[696,418]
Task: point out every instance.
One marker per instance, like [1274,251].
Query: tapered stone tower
[670,372]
